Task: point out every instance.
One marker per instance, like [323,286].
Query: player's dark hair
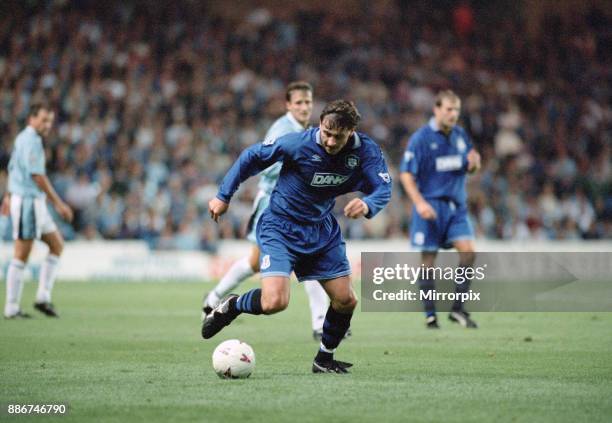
[297,86]
[448,94]
[341,114]
[36,107]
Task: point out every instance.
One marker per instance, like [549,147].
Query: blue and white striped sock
[250,302]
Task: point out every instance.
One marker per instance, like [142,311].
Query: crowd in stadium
[154,105]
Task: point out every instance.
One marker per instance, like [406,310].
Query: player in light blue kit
[298,96]
[298,231]
[433,173]
[28,188]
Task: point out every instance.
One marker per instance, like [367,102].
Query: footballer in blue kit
[433,170]
[298,231]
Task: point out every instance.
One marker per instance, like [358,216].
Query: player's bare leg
[14,279]
[337,322]
[467,255]
[272,297]
[426,284]
[48,273]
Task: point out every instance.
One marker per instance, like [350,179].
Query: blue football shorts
[313,251]
[451,224]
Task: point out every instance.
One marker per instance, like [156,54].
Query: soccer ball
[233,359]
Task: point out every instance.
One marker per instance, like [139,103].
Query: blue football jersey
[438,162]
[282,126]
[310,178]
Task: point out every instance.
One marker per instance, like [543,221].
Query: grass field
[133,352]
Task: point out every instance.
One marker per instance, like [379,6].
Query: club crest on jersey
[328,179]
[352,161]
[265,262]
[461,145]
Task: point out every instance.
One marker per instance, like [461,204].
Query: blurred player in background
[433,173]
[299,232]
[28,188]
[298,98]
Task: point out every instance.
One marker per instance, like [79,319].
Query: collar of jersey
[31,129]
[296,125]
[356,144]
[434,126]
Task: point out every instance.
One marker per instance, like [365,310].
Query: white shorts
[31,218]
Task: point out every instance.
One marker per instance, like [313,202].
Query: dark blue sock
[334,328]
[461,288]
[427,285]
[249,302]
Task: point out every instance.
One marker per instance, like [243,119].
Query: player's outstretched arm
[251,161]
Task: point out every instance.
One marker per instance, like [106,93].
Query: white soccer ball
[233,359]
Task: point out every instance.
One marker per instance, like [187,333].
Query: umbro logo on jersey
[316,158]
[328,179]
[433,146]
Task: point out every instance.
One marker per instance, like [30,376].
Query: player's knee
[467,258]
[271,304]
[346,304]
[57,246]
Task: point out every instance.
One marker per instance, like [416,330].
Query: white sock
[14,287]
[319,302]
[48,273]
[239,271]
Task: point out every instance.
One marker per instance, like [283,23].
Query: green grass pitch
[132,352]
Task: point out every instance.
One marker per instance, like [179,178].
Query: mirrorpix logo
[352,161]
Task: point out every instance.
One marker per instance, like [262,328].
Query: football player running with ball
[298,231]
[299,109]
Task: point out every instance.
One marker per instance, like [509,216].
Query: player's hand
[5,209]
[473,158]
[64,211]
[216,208]
[356,208]
[425,210]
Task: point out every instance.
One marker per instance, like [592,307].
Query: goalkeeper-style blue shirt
[310,178]
[438,162]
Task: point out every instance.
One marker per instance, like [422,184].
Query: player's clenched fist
[425,210]
[216,208]
[356,208]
